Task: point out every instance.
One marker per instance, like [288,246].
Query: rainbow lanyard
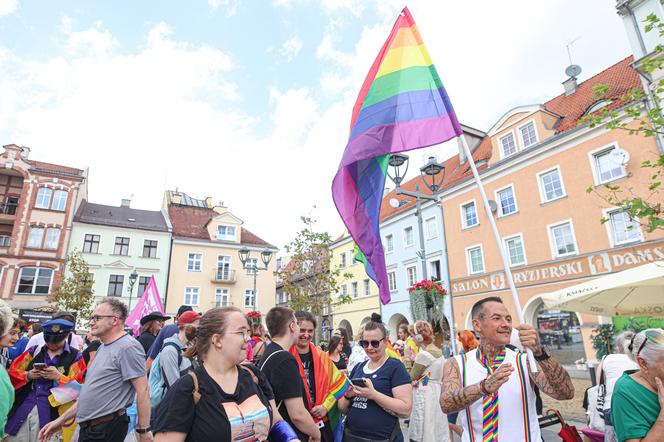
[490,405]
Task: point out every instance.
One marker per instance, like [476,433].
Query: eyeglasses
[246,334]
[374,343]
[651,335]
[96,318]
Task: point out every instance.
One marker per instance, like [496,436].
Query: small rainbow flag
[340,386]
[425,378]
[65,393]
[402,105]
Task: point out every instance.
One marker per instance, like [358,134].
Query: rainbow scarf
[330,386]
[402,105]
[490,404]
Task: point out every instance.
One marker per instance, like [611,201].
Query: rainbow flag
[402,105]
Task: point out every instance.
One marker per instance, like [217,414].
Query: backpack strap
[196,394]
[251,373]
[178,349]
[268,358]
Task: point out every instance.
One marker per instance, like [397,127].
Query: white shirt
[38,340]
[614,366]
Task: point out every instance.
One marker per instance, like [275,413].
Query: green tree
[638,119]
[74,293]
[309,279]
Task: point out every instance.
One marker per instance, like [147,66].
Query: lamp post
[245,254]
[130,288]
[429,174]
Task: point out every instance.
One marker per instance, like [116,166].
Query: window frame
[218,292]
[249,292]
[249,271]
[520,133]
[354,290]
[92,242]
[343,261]
[366,287]
[610,227]
[389,243]
[542,190]
[46,238]
[142,282]
[392,278]
[408,279]
[405,236]
[191,294]
[469,265]
[150,247]
[36,277]
[226,236]
[115,285]
[500,213]
[121,245]
[462,212]
[594,165]
[552,242]
[31,245]
[54,198]
[523,249]
[37,198]
[501,149]
[190,260]
[434,223]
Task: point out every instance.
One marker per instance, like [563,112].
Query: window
[121,246]
[551,185]
[5,240]
[226,232]
[475,260]
[392,281]
[389,243]
[34,280]
[515,252]
[36,237]
[115,283]
[142,284]
[606,168]
[251,266]
[249,298]
[623,229]
[221,298]
[408,236]
[351,254]
[191,295]
[52,238]
[282,297]
[194,262]
[431,228]
[508,146]
[562,239]
[223,268]
[469,215]
[506,201]
[149,248]
[434,267]
[411,275]
[59,200]
[528,134]
[43,198]
[91,243]
[344,290]
[343,260]
[354,289]
[367,288]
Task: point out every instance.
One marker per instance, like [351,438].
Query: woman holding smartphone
[381,393]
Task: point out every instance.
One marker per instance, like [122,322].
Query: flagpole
[499,243]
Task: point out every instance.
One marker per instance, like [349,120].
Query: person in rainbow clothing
[492,386]
[323,383]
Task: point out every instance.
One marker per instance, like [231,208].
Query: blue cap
[57,327]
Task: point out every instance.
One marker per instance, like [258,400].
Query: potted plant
[427,295]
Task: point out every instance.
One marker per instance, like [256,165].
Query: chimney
[570,86]
[126,202]
[176,199]
[208,202]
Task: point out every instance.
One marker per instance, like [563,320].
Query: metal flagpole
[499,243]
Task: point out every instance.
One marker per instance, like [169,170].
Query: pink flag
[149,302]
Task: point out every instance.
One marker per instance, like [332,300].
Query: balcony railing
[8,208]
[5,240]
[224,276]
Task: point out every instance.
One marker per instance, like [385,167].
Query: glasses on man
[653,336]
[374,343]
[96,318]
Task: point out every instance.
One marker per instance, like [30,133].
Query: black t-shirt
[146,339]
[342,363]
[92,347]
[280,369]
[308,366]
[244,414]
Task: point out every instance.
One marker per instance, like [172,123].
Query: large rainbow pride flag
[402,106]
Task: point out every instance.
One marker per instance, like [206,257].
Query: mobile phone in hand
[359,382]
[39,365]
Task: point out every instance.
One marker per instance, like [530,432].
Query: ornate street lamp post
[130,288]
[245,254]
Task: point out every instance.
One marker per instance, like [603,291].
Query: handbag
[595,419]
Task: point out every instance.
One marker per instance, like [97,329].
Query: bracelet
[483,389]
[143,430]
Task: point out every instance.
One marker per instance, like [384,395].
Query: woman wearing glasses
[638,396]
[221,400]
[381,392]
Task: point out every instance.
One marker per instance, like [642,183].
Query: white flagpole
[499,243]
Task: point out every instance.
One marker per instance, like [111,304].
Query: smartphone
[39,365]
[359,382]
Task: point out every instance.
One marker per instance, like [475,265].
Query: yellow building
[362,290]
[205,268]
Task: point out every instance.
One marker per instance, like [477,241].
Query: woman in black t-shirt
[337,355]
[236,402]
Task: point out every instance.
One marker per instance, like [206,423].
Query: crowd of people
[230,376]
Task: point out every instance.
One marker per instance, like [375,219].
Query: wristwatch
[544,355]
[143,430]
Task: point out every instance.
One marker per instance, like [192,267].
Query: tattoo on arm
[453,396]
[553,380]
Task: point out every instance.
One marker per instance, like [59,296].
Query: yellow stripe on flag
[404,57]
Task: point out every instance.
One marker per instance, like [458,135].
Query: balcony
[8,211]
[223,276]
[5,240]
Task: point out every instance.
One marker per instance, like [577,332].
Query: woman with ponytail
[171,361]
[221,399]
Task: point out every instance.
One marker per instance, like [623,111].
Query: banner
[149,302]
[636,323]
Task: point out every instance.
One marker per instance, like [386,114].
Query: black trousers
[114,430]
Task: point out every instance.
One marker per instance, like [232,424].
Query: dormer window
[528,134]
[596,106]
[507,145]
[226,232]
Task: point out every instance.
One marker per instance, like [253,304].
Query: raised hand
[498,378]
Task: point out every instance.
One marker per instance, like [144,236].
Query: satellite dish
[573,70]
[493,206]
[394,203]
[619,156]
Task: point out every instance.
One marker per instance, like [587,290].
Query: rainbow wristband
[281,432]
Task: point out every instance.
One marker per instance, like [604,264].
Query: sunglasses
[651,335]
[374,343]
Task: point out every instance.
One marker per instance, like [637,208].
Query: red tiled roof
[191,222]
[54,167]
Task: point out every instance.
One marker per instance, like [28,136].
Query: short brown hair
[306,316]
[277,320]
[118,307]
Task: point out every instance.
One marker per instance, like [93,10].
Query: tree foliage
[74,293]
[647,208]
[309,279]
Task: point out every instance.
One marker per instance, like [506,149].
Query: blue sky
[249,101]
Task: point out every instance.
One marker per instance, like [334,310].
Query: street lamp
[132,280]
[432,174]
[245,254]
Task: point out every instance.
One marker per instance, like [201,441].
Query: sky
[249,102]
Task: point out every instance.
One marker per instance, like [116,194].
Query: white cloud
[291,48]
[7,7]
[230,6]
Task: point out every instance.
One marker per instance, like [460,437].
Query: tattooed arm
[553,380]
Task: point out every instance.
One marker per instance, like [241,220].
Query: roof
[191,222]
[54,168]
[186,200]
[126,217]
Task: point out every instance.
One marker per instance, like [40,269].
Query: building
[37,205]
[205,268]
[118,242]
[362,290]
[536,163]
